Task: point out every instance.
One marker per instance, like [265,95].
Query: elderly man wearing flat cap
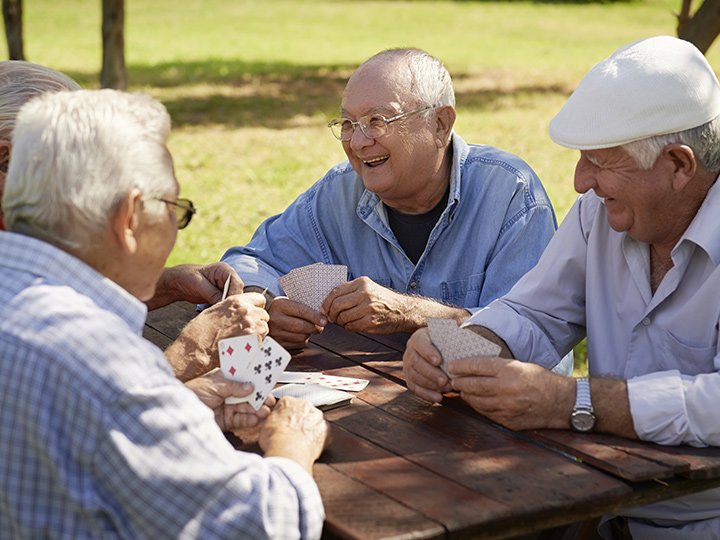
[634,267]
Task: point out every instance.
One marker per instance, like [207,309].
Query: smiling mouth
[375,162]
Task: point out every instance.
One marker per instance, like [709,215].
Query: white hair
[76,155]
[704,140]
[19,82]
[430,82]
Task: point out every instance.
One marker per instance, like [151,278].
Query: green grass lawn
[251,84]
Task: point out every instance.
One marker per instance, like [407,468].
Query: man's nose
[359,139]
[584,176]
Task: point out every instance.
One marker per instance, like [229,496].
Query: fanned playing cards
[243,359]
[454,342]
[311,284]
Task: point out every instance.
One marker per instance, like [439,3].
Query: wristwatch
[582,418]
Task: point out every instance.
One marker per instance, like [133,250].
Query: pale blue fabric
[98,439]
[593,279]
[496,225]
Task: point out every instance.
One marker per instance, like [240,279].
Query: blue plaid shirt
[99,440]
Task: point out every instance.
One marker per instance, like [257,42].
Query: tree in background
[12,15]
[702,28]
[114,70]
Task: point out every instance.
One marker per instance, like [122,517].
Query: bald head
[421,77]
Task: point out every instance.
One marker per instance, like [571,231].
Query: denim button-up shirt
[496,225]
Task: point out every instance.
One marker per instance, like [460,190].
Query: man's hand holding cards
[454,342]
[310,285]
[244,359]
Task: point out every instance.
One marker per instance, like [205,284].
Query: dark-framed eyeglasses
[184,210]
[373,126]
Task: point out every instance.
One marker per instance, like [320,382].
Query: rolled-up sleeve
[670,408]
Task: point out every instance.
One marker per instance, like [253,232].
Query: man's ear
[445,120]
[683,162]
[126,219]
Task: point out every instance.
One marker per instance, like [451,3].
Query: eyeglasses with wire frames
[373,126]
[184,210]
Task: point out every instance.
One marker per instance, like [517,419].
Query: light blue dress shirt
[98,439]
[595,280]
[497,223]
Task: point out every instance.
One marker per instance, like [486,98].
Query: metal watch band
[582,418]
[582,398]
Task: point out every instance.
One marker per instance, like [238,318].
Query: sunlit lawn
[251,85]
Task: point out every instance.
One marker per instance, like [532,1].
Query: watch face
[582,421]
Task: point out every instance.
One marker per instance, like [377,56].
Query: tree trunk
[684,16]
[702,29]
[114,71]
[12,14]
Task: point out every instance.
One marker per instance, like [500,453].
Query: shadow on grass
[274,95]
[574,2]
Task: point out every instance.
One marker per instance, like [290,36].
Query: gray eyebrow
[376,110]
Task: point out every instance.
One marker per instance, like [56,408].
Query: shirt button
[413,285]
[646,321]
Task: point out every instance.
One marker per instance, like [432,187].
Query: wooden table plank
[171,319]
[361,349]
[633,460]
[348,504]
[403,468]
[453,505]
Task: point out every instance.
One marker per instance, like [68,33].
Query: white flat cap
[650,87]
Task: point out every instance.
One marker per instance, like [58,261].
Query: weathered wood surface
[630,460]
[401,468]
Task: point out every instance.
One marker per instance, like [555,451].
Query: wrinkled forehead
[377,84]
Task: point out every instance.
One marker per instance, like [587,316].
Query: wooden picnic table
[401,468]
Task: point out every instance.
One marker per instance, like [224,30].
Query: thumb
[238,389]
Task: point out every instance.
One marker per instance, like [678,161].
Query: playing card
[299,377]
[236,353]
[322,397]
[440,330]
[242,359]
[225,289]
[454,342]
[263,372]
[311,284]
[287,282]
[349,384]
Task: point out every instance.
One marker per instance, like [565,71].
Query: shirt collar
[704,229]
[57,267]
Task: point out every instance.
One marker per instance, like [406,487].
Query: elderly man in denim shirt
[428,225]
